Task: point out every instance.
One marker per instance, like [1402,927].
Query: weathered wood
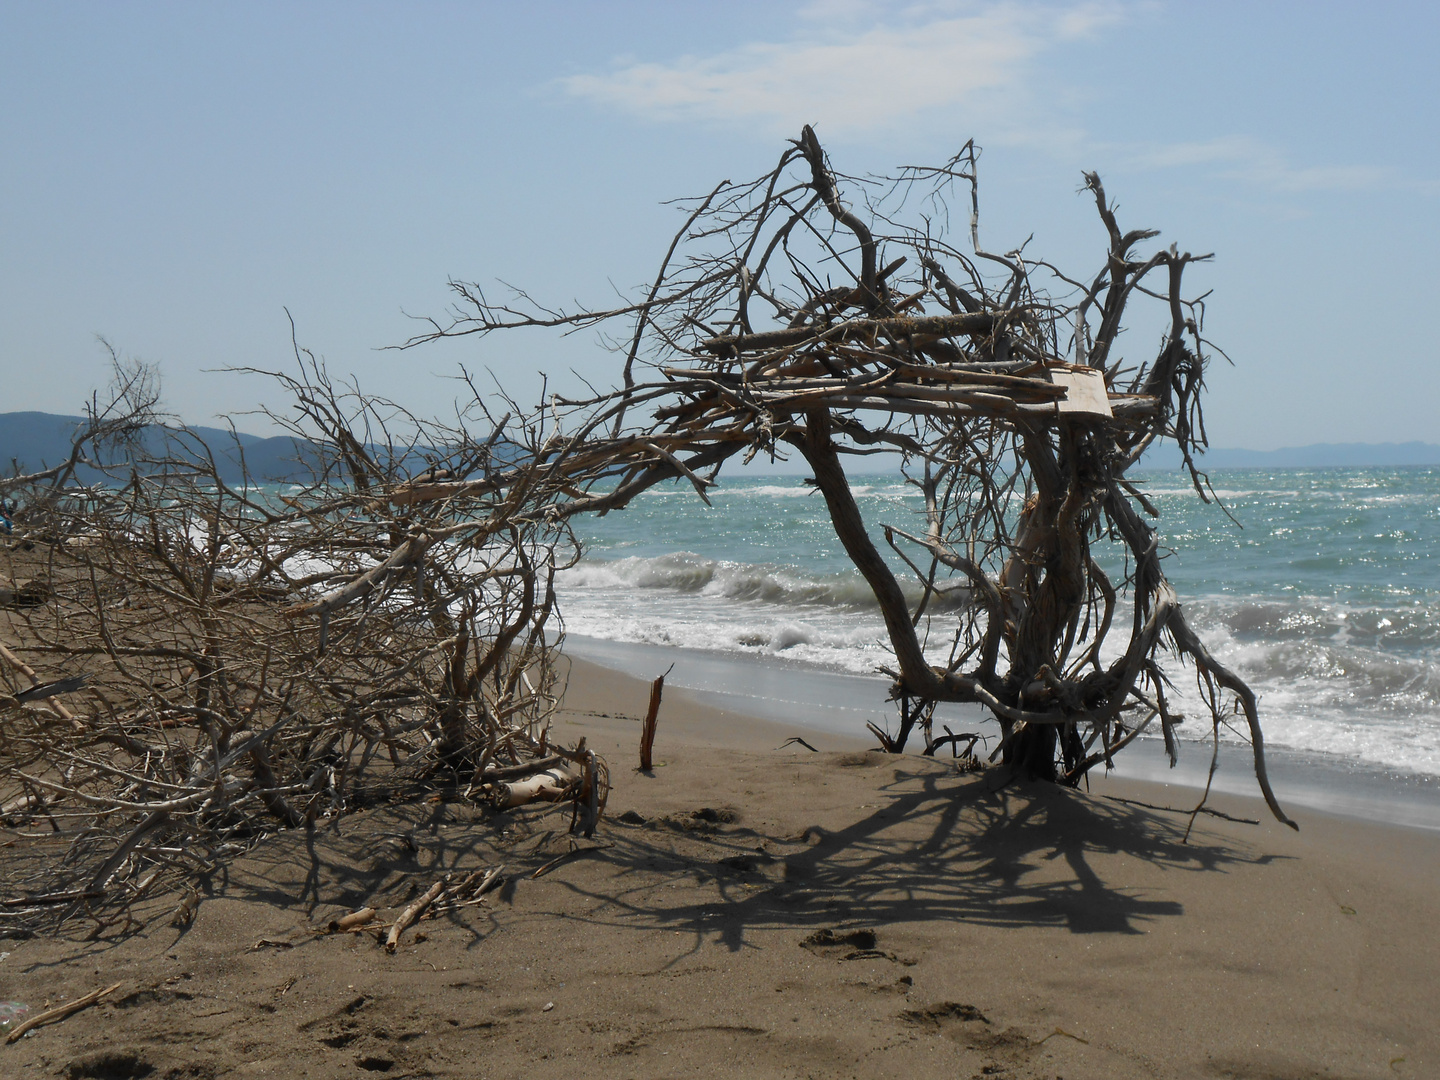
[60,1012]
[1010,420]
[478,883]
[1085,393]
[647,729]
[920,328]
[53,898]
[409,916]
[548,785]
[525,768]
[35,683]
[184,913]
[352,921]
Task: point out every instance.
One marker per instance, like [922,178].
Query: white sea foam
[1227,494]
[686,572]
[762,491]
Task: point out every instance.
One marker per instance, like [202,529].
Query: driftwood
[554,784]
[37,690]
[408,917]
[647,729]
[468,890]
[260,657]
[352,921]
[478,884]
[787,321]
[525,768]
[593,788]
[577,775]
[60,1012]
[184,913]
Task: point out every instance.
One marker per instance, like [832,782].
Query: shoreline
[812,700]
[749,909]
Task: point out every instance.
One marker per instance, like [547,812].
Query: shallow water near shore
[812,703]
[1324,598]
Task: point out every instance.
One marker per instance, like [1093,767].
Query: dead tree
[268,655]
[785,317]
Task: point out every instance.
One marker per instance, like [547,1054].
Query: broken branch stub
[647,728]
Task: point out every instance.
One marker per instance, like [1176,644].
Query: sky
[175,177]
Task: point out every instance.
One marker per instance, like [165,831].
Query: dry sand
[750,911]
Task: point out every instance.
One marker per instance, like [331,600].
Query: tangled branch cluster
[786,319]
[260,655]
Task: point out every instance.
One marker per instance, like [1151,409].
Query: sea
[1318,587]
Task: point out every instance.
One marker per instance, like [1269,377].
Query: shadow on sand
[938,848]
[933,845]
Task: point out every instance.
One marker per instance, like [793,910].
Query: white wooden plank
[1085,393]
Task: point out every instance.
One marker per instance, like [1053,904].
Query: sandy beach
[755,909]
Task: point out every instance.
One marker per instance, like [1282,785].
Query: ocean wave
[766,583]
[1361,681]
[852,646]
[1295,497]
[1411,627]
[686,572]
[1226,494]
[763,491]
[1328,677]
[760,492]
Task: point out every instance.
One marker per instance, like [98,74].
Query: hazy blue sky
[172,176]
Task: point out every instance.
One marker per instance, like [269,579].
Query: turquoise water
[1325,598]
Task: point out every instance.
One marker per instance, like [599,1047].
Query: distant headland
[1314,456]
[38,439]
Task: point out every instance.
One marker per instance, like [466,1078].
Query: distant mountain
[1315,456]
[37,440]
[31,441]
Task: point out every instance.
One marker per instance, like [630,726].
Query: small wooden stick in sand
[478,883]
[411,913]
[185,912]
[353,920]
[652,717]
[60,1012]
[29,672]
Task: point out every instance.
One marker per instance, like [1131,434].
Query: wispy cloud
[860,67]
[1242,157]
[852,66]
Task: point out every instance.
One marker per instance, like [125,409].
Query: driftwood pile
[213,660]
